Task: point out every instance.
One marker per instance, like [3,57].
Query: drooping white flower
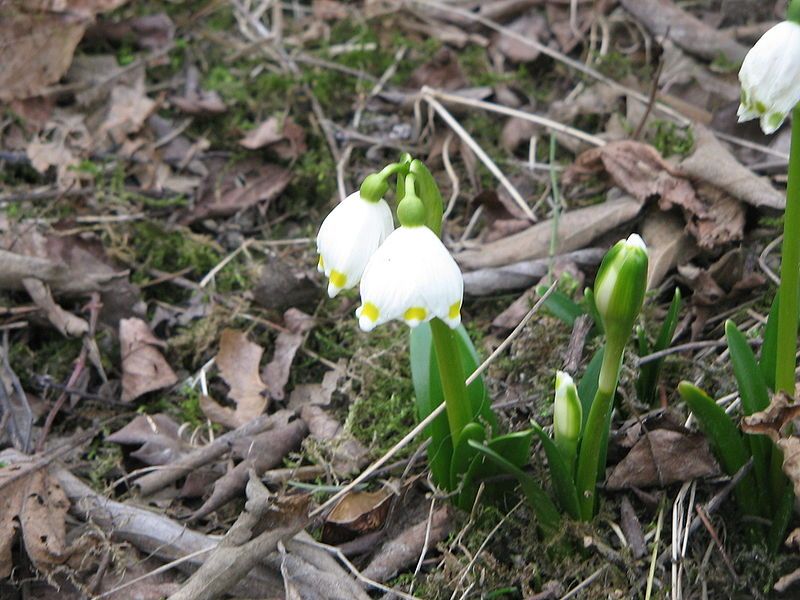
[411,277]
[348,237]
[770,77]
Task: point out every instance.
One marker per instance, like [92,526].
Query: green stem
[790,270]
[451,372]
[596,431]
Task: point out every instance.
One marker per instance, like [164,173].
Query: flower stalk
[789,290]
[453,379]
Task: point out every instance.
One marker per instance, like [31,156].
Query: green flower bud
[567,416]
[619,288]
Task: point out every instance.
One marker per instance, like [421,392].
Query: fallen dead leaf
[34,504]
[781,411]
[159,438]
[662,457]
[317,393]
[228,196]
[276,373]
[355,514]
[668,245]
[238,360]
[144,368]
[195,100]
[712,162]
[148,32]
[283,136]
[531,26]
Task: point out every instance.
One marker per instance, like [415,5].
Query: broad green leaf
[725,440]
[755,397]
[561,474]
[476,391]
[561,306]
[515,447]
[546,512]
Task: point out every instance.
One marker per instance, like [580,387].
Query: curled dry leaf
[781,411]
[355,514]
[144,368]
[662,457]
[238,361]
[276,373]
[158,435]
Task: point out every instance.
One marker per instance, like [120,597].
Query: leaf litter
[214,360]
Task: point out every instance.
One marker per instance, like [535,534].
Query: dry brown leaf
[195,100]
[39,38]
[782,410]
[127,109]
[159,438]
[148,32]
[662,457]
[576,229]
[229,196]
[144,368]
[35,504]
[355,514]
[276,373]
[317,393]
[238,361]
[282,136]
[713,163]
[668,245]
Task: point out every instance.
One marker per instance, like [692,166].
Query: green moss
[477,68]
[155,247]
[671,139]
[104,459]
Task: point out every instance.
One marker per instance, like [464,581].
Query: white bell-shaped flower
[348,237]
[770,77]
[411,277]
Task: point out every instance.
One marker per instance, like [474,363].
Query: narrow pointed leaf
[563,481]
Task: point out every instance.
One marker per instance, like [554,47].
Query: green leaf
[428,393]
[755,397]
[515,447]
[725,440]
[476,391]
[463,468]
[561,474]
[561,306]
[647,382]
[587,387]
[769,349]
[546,512]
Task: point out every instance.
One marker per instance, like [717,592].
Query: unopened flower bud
[567,416]
[620,287]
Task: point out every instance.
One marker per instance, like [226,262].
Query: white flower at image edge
[411,277]
[348,237]
[770,77]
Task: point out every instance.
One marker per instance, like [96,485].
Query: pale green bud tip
[620,286]
[411,210]
[567,410]
[374,187]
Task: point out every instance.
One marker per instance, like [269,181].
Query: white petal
[770,75]
[411,277]
[349,235]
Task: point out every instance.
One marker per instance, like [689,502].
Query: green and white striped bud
[567,417]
